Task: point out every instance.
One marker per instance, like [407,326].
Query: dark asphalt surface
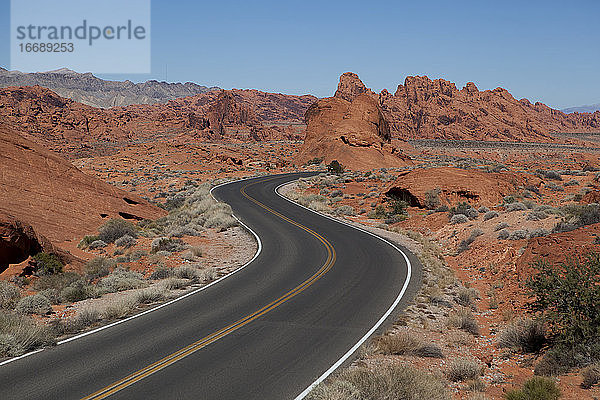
[273,357]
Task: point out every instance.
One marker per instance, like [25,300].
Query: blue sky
[543,50]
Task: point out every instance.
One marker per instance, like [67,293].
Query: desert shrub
[21,333]
[516,206]
[34,304]
[336,193]
[519,234]
[500,226]
[578,215]
[466,296]
[115,229]
[483,210]
[489,215]
[398,343]
[86,241]
[166,244]
[161,273]
[432,199]
[52,295]
[9,295]
[97,244]
[137,254]
[527,335]
[174,283]
[98,267]
[537,215]
[462,369]
[503,234]
[459,219]
[47,264]
[554,187]
[538,232]
[548,174]
[58,281]
[464,319]
[460,208]
[126,241]
[590,376]
[186,272]
[472,213]
[150,295]
[335,167]
[315,161]
[466,243]
[121,279]
[429,350]
[536,388]
[572,182]
[208,275]
[397,207]
[344,210]
[577,320]
[77,291]
[387,382]
[119,308]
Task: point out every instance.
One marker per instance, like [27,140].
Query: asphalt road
[266,332]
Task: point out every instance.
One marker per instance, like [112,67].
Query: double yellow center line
[186,351]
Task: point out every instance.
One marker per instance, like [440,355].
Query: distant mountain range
[582,109]
[88,89]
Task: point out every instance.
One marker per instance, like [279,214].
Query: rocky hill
[88,89]
[435,109]
[76,129]
[45,201]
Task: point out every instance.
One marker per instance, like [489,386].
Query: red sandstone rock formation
[350,128]
[49,200]
[426,109]
[455,185]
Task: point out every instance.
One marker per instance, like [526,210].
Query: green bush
[115,229]
[590,376]
[568,296]
[536,388]
[47,264]
[432,199]
[86,241]
[335,167]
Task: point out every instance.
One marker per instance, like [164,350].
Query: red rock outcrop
[455,185]
[74,129]
[42,190]
[435,109]
[350,128]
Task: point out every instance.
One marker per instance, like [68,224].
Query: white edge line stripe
[258,251]
[378,323]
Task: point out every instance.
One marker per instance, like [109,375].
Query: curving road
[266,332]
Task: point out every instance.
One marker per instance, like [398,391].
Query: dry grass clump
[590,376]
[464,319]
[20,334]
[150,295]
[526,335]
[186,272]
[119,308]
[392,381]
[534,389]
[9,295]
[404,342]
[175,283]
[466,296]
[463,369]
[34,304]
[121,279]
